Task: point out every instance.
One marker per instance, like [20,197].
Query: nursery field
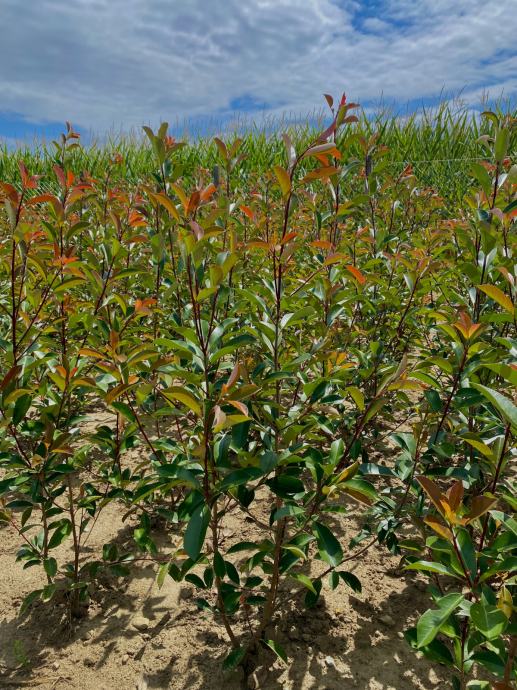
[257,408]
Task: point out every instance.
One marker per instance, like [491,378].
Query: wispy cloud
[117,63]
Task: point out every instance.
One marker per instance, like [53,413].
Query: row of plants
[268,337]
[439,142]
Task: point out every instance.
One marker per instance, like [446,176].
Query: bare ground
[348,640]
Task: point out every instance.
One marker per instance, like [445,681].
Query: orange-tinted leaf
[136,219]
[324,159]
[321,173]
[114,339]
[142,306]
[322,244]
[465,326]
[335,258]
[73,270]
[506,273]
[208,192]
[290,236]
[167,204]
[455,495]
[233,378]
[479,506]
[439,528]
[40,199]
[134,239]
[433,491]
[222,148]
[357,274]
[329,148]
[248,212]
[259,245]
[23,173]
[358,496]
[239,406]
[88,352]
[10,191]
[62,371]
[116,392]
[193,202]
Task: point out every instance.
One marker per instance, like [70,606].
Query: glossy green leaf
[328,546]
[431,621]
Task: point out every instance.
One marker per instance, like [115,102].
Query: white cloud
[113,63]
[376,24]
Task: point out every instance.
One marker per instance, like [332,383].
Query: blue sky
[112,65]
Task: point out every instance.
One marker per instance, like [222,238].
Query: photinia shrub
[277,349]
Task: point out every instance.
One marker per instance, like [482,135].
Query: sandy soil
[137,636]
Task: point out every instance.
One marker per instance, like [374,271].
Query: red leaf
[13,371]
[10,191]
[24,174]
[326,134]
[40,199]
[193,202]
[60,176]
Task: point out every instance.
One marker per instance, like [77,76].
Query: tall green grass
[439,143]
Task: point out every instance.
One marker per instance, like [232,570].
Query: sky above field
[112,65]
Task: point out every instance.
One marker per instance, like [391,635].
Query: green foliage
[256,327]
[442,144]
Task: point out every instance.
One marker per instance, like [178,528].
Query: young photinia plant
[215,343]
[469,541]
[50,495]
